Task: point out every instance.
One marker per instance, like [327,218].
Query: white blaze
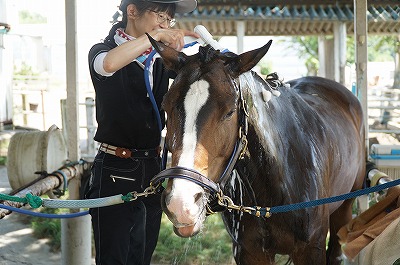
[184,191]
[195,99]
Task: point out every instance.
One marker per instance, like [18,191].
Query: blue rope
[153,100]
[190,44]
[297,206]
[148,86]
[44,215]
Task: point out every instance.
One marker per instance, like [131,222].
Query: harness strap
[241,143]
[188,174]
[240,146]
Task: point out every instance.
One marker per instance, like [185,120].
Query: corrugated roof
[288,19]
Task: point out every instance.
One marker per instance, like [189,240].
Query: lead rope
[36,202]
[268,211]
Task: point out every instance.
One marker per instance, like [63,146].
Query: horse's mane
[274,121]
[207,53]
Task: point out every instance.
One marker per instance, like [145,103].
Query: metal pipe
[52,182]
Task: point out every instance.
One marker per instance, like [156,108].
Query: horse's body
[307,144]
[304,144]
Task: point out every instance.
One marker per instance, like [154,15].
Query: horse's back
[322,93]
[340,118]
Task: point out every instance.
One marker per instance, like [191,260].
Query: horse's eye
[229,114]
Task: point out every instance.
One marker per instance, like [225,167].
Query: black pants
[124,234]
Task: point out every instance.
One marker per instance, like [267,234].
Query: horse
[259,142]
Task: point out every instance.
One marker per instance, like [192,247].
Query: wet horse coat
[305,141]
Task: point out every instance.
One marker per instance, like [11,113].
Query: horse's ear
[172,59]
[246,61]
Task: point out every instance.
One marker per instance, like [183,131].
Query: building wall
[5,71]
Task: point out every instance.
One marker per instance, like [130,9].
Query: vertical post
[360,37]
[240,32]
[25,108]
[91,129]
[76,245]
[326,57]
[321,56]
[339,33]
[6,60]
[43,108]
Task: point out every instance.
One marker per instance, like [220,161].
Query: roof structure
[290,17]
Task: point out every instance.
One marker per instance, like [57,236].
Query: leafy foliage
[24,70]
[26,17]
[381,48]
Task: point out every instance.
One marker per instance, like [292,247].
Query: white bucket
[30,152]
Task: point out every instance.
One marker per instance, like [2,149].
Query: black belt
[128,153]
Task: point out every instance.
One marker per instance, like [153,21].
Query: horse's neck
[276,138]
[258,95]
[264,141]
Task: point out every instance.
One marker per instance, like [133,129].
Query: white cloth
[384,249]
[121,37]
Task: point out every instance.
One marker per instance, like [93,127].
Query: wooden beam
[246,3]
[361,56]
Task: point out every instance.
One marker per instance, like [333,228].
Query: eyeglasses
[161,18]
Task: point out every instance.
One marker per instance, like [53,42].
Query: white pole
[339,33]
[6,62]
[77,244]
[361,38]
[240,32]
[91,128]
[76,239]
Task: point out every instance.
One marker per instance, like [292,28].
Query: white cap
[181,6]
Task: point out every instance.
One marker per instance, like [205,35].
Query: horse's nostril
[198,196]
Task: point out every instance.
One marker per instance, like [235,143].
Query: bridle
[238,153]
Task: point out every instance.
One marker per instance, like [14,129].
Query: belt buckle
[123,152]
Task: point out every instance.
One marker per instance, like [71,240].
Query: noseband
[200,179]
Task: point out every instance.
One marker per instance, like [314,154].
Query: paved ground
[18,246]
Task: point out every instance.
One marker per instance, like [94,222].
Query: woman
[128,131]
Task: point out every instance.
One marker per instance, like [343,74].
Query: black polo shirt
[124,112]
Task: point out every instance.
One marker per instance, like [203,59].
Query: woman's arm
[125,53]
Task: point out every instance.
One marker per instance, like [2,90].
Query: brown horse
[287,143]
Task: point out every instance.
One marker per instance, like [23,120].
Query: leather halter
[200,179]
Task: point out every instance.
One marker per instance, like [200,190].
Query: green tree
[307,48]
[265,67]
[380,48]
[26,17]
[389,47]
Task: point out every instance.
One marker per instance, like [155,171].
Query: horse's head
[203,107]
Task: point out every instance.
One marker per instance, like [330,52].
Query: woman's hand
[173,37]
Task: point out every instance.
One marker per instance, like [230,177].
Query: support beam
[240,29]
[326,57]
[339,35]
[75,245]
[361,38]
